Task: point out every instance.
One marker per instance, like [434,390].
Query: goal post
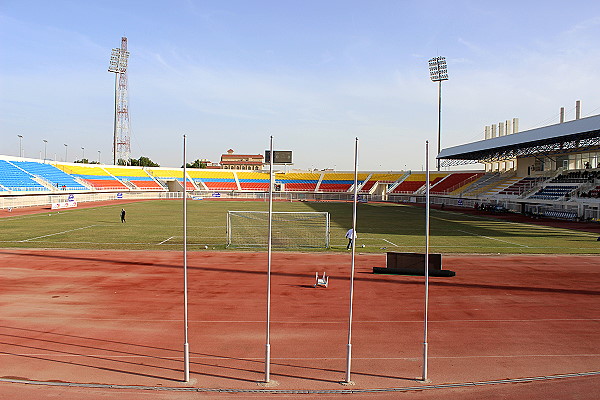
[289,229]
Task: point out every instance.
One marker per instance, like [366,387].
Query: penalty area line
[491,238]
[393,244]
[57,233]
[166,240]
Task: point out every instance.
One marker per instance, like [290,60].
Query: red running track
[115,317]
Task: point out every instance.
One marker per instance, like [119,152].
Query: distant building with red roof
[250,162]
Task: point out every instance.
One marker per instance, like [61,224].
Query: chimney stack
[562,115]
[578,109]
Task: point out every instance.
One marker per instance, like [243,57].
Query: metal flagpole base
[425,348]
[186,362]
[348,364]
[267,363]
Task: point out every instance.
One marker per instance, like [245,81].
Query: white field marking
[166,240]
[491,238]
[57,233]
[532,226]
[339,244]
[393,244]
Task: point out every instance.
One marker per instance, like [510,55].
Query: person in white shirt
[351,236]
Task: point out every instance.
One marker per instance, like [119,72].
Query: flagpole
[425,318]
[186,347]
[269,246]
[353,236]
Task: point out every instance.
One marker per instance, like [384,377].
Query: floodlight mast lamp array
[438,72]
[118,65]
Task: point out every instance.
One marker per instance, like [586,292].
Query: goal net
[289,229]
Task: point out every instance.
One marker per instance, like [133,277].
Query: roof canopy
[568,137]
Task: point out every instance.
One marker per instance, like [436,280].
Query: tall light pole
[118,65]
[45,143]
[98,156]
[20,145]
[438,72]
[82,153]
[66,152]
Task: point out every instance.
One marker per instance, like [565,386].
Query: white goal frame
[306,229]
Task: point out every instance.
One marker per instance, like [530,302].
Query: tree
[196,164]
[82,161]
[140,162]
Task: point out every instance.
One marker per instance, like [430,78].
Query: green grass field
[157,225]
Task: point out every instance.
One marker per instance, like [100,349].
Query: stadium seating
[51,174]
[250,180]
[520,186]
[165,175]
[135,175]
[481,185]
[416,182]
[15,179]
[572,216]
[213,179]
[298,181]
[381,178]
[453,181]
[94,175]
[594,193]
[552,192]
[339,181]
[584,176]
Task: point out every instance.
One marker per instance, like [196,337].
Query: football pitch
[158,225]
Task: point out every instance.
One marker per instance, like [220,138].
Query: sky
[314,74]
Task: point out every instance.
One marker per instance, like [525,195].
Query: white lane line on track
[177,358]
[57,233]
[393,244]
[166,240]
[491,238]
[595,320]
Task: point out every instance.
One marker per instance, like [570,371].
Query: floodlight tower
[121,140]
[438,73]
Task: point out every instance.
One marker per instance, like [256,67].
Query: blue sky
[314,74]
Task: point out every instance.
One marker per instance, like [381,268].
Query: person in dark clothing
[122,215]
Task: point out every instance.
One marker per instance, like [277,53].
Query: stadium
[257,277]
[96,304]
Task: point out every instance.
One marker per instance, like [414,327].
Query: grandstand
[165,176]
[13,178]
[50,174]
[298,181]
[95,176]
[383,179]
[552,175]
[134,178]
[250,180]
[339,181]
[211,179]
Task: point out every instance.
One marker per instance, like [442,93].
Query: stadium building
[552,171]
